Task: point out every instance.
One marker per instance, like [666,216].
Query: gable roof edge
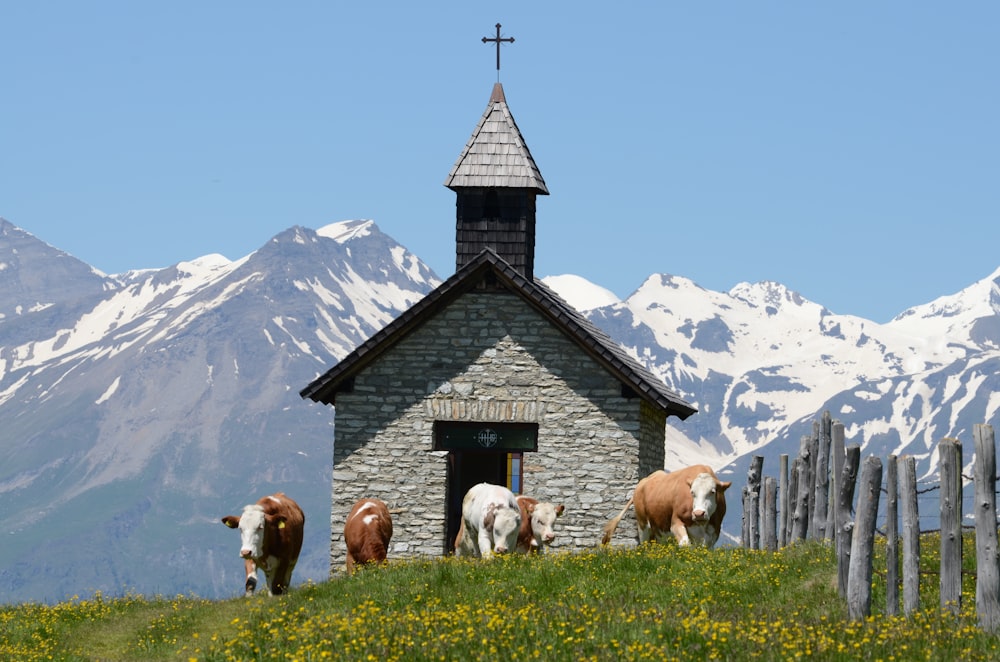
[577,327]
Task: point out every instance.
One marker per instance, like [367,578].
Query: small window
[491,204]
[514,472]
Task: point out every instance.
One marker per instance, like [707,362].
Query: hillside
[657,602]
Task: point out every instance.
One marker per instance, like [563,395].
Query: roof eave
[586,335]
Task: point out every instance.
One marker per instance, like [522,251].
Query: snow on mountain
[580,292]
[965,319]
[761,362]
[139,408]
[164,399]
[65,283]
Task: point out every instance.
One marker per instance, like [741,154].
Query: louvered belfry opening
[496,182]
[499,218]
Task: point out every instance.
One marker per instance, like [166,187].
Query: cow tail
[610,527]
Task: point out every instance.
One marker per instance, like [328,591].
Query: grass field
[657,602]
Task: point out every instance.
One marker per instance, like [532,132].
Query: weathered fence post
[837,453]
[770,542]
[892,538]
[793,500]
[911,535]
[950,455]
[859,581]
[800,520]
[813,442]
[821,497]
[845,525]
[987,565]
[754,474]
[745,528]
[784,500]
[804,484]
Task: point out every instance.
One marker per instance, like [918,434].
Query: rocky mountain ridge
[139,408]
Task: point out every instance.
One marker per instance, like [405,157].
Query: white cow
[491,520]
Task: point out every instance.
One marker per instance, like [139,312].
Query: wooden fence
[814,498]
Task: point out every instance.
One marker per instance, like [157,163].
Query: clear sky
[848,150]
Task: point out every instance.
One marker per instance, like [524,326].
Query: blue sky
[849,150]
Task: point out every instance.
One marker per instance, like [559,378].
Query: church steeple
[496,181]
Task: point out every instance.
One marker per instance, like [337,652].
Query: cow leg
[268,565]
[485,544]
[711,536]
[648,531]
[680,533]
[269,579]
[277,579]
[467,547]
[251,582]
[283,577]
[465,544]
[288,574]
[703,534]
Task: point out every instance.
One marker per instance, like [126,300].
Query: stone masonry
[490,357]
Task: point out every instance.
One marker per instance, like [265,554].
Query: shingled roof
[496,154]
[591,339]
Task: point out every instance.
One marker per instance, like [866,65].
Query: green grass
[655,602]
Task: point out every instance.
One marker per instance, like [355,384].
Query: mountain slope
[134,423]
[139,408]
[762,363]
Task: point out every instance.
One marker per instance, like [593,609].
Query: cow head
[504,523]
[543,518]
[706,490]
[253,525]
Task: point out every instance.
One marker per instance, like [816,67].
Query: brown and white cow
[537,521]
[367,532]
[690,503]
[491,520]
[271,534]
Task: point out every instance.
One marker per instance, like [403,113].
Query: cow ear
[231,521]
[488,520]
[722,487]
[281,521]
[559,510]
[531,509]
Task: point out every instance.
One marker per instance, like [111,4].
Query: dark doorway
[480,453]
[465,469]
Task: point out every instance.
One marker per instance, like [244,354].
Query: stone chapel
[492,377]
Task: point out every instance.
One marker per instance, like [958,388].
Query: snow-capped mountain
[762,363]
[137,409]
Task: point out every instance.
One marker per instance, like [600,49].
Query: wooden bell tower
[496,182]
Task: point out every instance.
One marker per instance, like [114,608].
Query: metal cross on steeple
[498,39]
